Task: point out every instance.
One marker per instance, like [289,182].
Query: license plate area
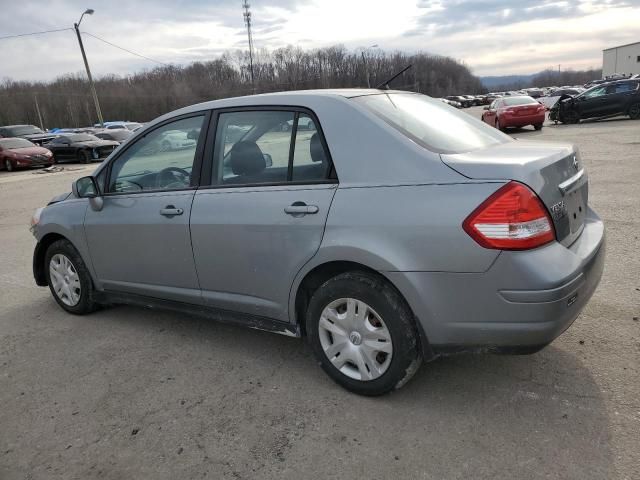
[576,205]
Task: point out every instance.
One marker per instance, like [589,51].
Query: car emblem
[576,165]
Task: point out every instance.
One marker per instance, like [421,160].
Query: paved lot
[128,393]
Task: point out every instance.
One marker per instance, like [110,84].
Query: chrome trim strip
[570,183]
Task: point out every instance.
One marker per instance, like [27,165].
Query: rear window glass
[511,101]
[431,123]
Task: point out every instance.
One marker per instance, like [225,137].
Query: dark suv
[621,97]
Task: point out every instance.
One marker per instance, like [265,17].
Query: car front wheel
[8,165]
[363,334]
[634,111]
[83,156]
[68,278]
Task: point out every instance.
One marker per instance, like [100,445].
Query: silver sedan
[395,230]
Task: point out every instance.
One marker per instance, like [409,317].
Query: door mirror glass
[268,160]
[85,187]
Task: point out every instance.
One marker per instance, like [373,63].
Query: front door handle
[171,211]
[300,208]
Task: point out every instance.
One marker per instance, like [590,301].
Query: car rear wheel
[634,111]
[538,127]
[83,156]
[8,165]
[68,278]
[362,333]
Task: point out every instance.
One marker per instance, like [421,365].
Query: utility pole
[366,64]
[366,69]
[247,21]
[35,98]
[76,26]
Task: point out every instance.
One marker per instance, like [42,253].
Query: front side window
[267,147]
[161,160]
[432,124]
[595,92]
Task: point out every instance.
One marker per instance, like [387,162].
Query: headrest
[246,158]
[316,150]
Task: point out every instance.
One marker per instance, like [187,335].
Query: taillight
[512,218]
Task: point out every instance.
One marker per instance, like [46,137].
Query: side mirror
[268,160]
[486,107]
[85,187]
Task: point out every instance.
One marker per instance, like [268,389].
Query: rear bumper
[519,121]
[522,303]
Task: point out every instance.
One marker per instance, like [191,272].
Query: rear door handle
[300,208]
[171,211]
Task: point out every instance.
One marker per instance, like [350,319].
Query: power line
[126,50]
[35,33]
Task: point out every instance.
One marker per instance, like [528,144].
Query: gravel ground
[129,393]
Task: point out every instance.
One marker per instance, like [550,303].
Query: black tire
[396,315]
[538,127]
[83,156]
[8,165]
[634,111]
[86,304]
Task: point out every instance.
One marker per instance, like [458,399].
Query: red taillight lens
[512,218]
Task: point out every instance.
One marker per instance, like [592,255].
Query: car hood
[38,136]
[96,143]
[59,198]
[30,151]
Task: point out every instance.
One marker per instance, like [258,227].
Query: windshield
[83,137]
[12,143]
[431,123]
[25,130]
[511,101]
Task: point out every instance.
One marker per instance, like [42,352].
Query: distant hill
[495,81]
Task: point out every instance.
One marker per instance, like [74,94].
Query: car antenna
[385,85]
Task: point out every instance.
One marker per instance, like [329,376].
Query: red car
[18,153]
[514,112]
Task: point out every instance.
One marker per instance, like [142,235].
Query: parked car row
[24,146]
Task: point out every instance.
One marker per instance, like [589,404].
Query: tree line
[142,96]
[553,78]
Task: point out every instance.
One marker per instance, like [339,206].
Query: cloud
[490,36]
[451,16]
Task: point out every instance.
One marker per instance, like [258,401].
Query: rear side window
[431,123]
[626,87]
[268,147]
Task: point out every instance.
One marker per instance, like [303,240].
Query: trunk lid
[554,171]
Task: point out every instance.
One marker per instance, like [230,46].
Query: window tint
[626,87]
[431,123]
[161,160]
[310,161]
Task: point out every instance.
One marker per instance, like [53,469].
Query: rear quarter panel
[407,228]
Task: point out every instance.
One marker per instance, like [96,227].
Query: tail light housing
[512,218]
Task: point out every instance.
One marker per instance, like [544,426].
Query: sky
[492,37]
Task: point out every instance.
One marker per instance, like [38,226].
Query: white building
[622,59]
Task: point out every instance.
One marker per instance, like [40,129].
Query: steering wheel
[173,177]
